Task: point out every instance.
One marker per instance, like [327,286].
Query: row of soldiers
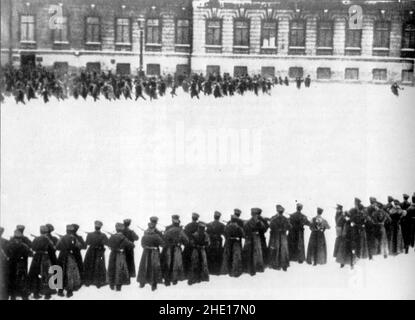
[29,83]
[196,251]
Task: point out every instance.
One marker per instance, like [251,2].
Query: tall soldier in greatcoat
[237,213]
[405,204]
[253,259]
[199,241]
[396,244]
[345,255]
[149,270]
[4,266]
[171,256]
[296,236]
[129,252]
[69,246]
[232,253]
[189,230]
[77,251]
[380,218]
[118,272]
[278,242]
[262,231]
[406,222]
[338,220]
[18,253]
[411,217]
[317,247]
[25,239]
[54,240]
[388,226]
[371,228]
[39,269]
[95,272]
[215,230]
[359,218]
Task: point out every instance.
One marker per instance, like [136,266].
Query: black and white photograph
[227,150]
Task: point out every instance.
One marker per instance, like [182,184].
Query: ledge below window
[28,44]
[123,46]
[268,50]
[296,51]
[153,47]
[352,51]
[324,51]
[212,48]
[182,47]
[380,52]
[241,49]
[407,53]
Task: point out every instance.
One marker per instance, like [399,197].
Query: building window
[325,38]
[297,37]
[268,72]
[408,40]
[183,32]
[153,31]
[351,74]
[93,67]
[213,70]
[93,30]
[381,38]
[269,34]
[60,34]
[123,68]
[214,32]
[353,42]
[240,71]
[408,76]
[241,33]
[379,74]
[295,72]
[61,67]
[153,69]
[123,31]
[27,28]
[323,73]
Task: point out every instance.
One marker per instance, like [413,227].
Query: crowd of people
[198,250]
[26,84]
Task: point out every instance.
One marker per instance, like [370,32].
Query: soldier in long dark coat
[396,245]
[237,213]
[359,218]
[95,272]
[388,226]
[345,254]
[129,252]
[338,220]
[199,271]
[252,257]
[317,248]
[149,270]
[380,218]
[296,236]
[118,272]
[4,266]
[171,256]
[77,251]
[25,239]
[39,269]
[278,242]
[370,229]
[232,253]
[262,231]
[189,229]
[405,204]
[68,245]
[215,230]
[406,223]
[410,215]
[18,253]
[52,250]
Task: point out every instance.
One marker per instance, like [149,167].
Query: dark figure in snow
[149,271]
[54,240]
[345,254]
[39,269]
[410,218]
[278,242]
[286,81]
[4,266]
[298,82]
[253,258]
[396,245]
[216,91]
[45,95]
[307,81]
[370,229]
[395,89]
[77,251]
[296,237]
[194,90]
[359,218]
[317,247]
[19,96]
[173,90]
[18,252]
[405,204]
[215,230]
[25,239]
[199,241]
[139,91]
[69,246]
[339,226]
[380,218]
[129,252]
[232,253]
[237,213]
[189,230]
[171,256]
[95,272]
[262,231]
[118,272]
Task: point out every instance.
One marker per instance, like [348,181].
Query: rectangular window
[240,71]
[214,32]
[295,72]
[379,74]
[408,76]
[123,31]
[268,72]
[408,36]
[269,34]
[60,34]
[93,30]
[353,42]
[27,28]
[323,73]
[351,74]
[153,69]
[213,70]
[93,67]
[381,36]
[183,32]
[297,33]
[61,67]
[153,31]
[123,68]
[241,33]
[325,34]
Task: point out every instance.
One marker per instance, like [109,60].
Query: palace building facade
[331,40]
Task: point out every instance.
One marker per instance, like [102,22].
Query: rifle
[108,233]
[33,236]
[140,228]
[59,235]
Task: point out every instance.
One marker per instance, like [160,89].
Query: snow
[75,162]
